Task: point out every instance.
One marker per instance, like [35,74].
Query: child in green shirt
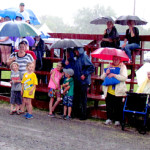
[68,93]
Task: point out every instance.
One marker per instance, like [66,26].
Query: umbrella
[33,18]
[17,29]
[101,20]
[66,43]
[10,13]
[122,20]
[108,53]
[141,73]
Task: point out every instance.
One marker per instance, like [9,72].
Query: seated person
[145,86]
[111,36]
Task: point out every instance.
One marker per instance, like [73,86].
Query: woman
[21,57]
[114,94]
[5,46]
[111,36]
[132,36]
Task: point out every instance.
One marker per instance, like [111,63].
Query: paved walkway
[44,133]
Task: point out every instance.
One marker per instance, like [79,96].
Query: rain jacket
[83,66]
[120,89]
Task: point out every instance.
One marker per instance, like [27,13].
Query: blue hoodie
[83,66]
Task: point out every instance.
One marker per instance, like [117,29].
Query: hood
[81,50]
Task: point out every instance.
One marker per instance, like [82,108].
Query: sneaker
[63,117]
[26,115]
[117,123]
[51,115]
[29,116]
[108,122]
[68,118]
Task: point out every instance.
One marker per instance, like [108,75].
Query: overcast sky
[66,9]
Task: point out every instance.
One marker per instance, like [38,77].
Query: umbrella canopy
[122,20]
[17,29]
[108,53]
[10,13]
[141,73]
[66,43]
[101,20]
[33,18]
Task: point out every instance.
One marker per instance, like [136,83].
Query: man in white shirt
[24,13]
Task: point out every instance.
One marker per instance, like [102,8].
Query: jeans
[39,63]
[129,47]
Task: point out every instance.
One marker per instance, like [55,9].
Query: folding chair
[136,104]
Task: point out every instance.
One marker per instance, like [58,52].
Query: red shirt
[29,52]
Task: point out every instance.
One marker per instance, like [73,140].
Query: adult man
[83,69]
[24,13]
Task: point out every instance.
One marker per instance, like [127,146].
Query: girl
[54,86]
[29,83]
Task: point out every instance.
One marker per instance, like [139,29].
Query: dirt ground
[44,133]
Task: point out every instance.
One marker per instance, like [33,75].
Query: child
[145,86]
[29,83]
[54,85]
[16,98]
[68,93]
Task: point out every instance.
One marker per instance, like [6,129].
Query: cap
[21,4]
[69,71]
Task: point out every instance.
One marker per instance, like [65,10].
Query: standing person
[24,13]
[29,83]
[83,69]
[132,37]
[21,57]
[114,94]
[111,36]
[15,98]
[39,48]
[5,46]
[68,93]
[55,89]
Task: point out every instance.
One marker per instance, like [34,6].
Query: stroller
[136,106]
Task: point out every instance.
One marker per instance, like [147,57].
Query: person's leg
[7,52]
[3,54]
[22,106]
[129,47]
[65,110]
[56,104]
[69,111]
[29,105]
[51,105]
[83,102]
[109,106]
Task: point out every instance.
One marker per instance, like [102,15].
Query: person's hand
[31,92]
[123,46]
[21,92]
[82,77]
[108,71]
[104,31]
[66,62]
[56,86]
[111,75]
[12,59]
[67,83]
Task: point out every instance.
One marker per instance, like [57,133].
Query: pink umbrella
[108,53]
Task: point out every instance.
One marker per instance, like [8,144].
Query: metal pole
[134,7]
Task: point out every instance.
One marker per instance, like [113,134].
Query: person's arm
[66,89]
[22,88]
[53,79]
[10,60]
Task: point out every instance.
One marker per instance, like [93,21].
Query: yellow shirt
[29,80]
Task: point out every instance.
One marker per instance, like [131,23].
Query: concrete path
[44,133]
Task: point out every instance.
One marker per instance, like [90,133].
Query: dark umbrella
[101,20]
[17,29]
[122,20]
[66,43]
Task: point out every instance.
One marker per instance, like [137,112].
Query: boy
[68,93]
[16,98]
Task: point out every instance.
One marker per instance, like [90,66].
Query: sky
[66,9]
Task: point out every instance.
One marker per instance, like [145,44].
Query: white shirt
[26,16]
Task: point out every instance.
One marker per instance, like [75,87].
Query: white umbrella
[141,73]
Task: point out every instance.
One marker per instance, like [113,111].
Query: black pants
[114,107]
[80,100]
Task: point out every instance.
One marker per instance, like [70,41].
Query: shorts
[68,101]
[16,97]
[54,93]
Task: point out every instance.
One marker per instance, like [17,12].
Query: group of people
[131,41]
